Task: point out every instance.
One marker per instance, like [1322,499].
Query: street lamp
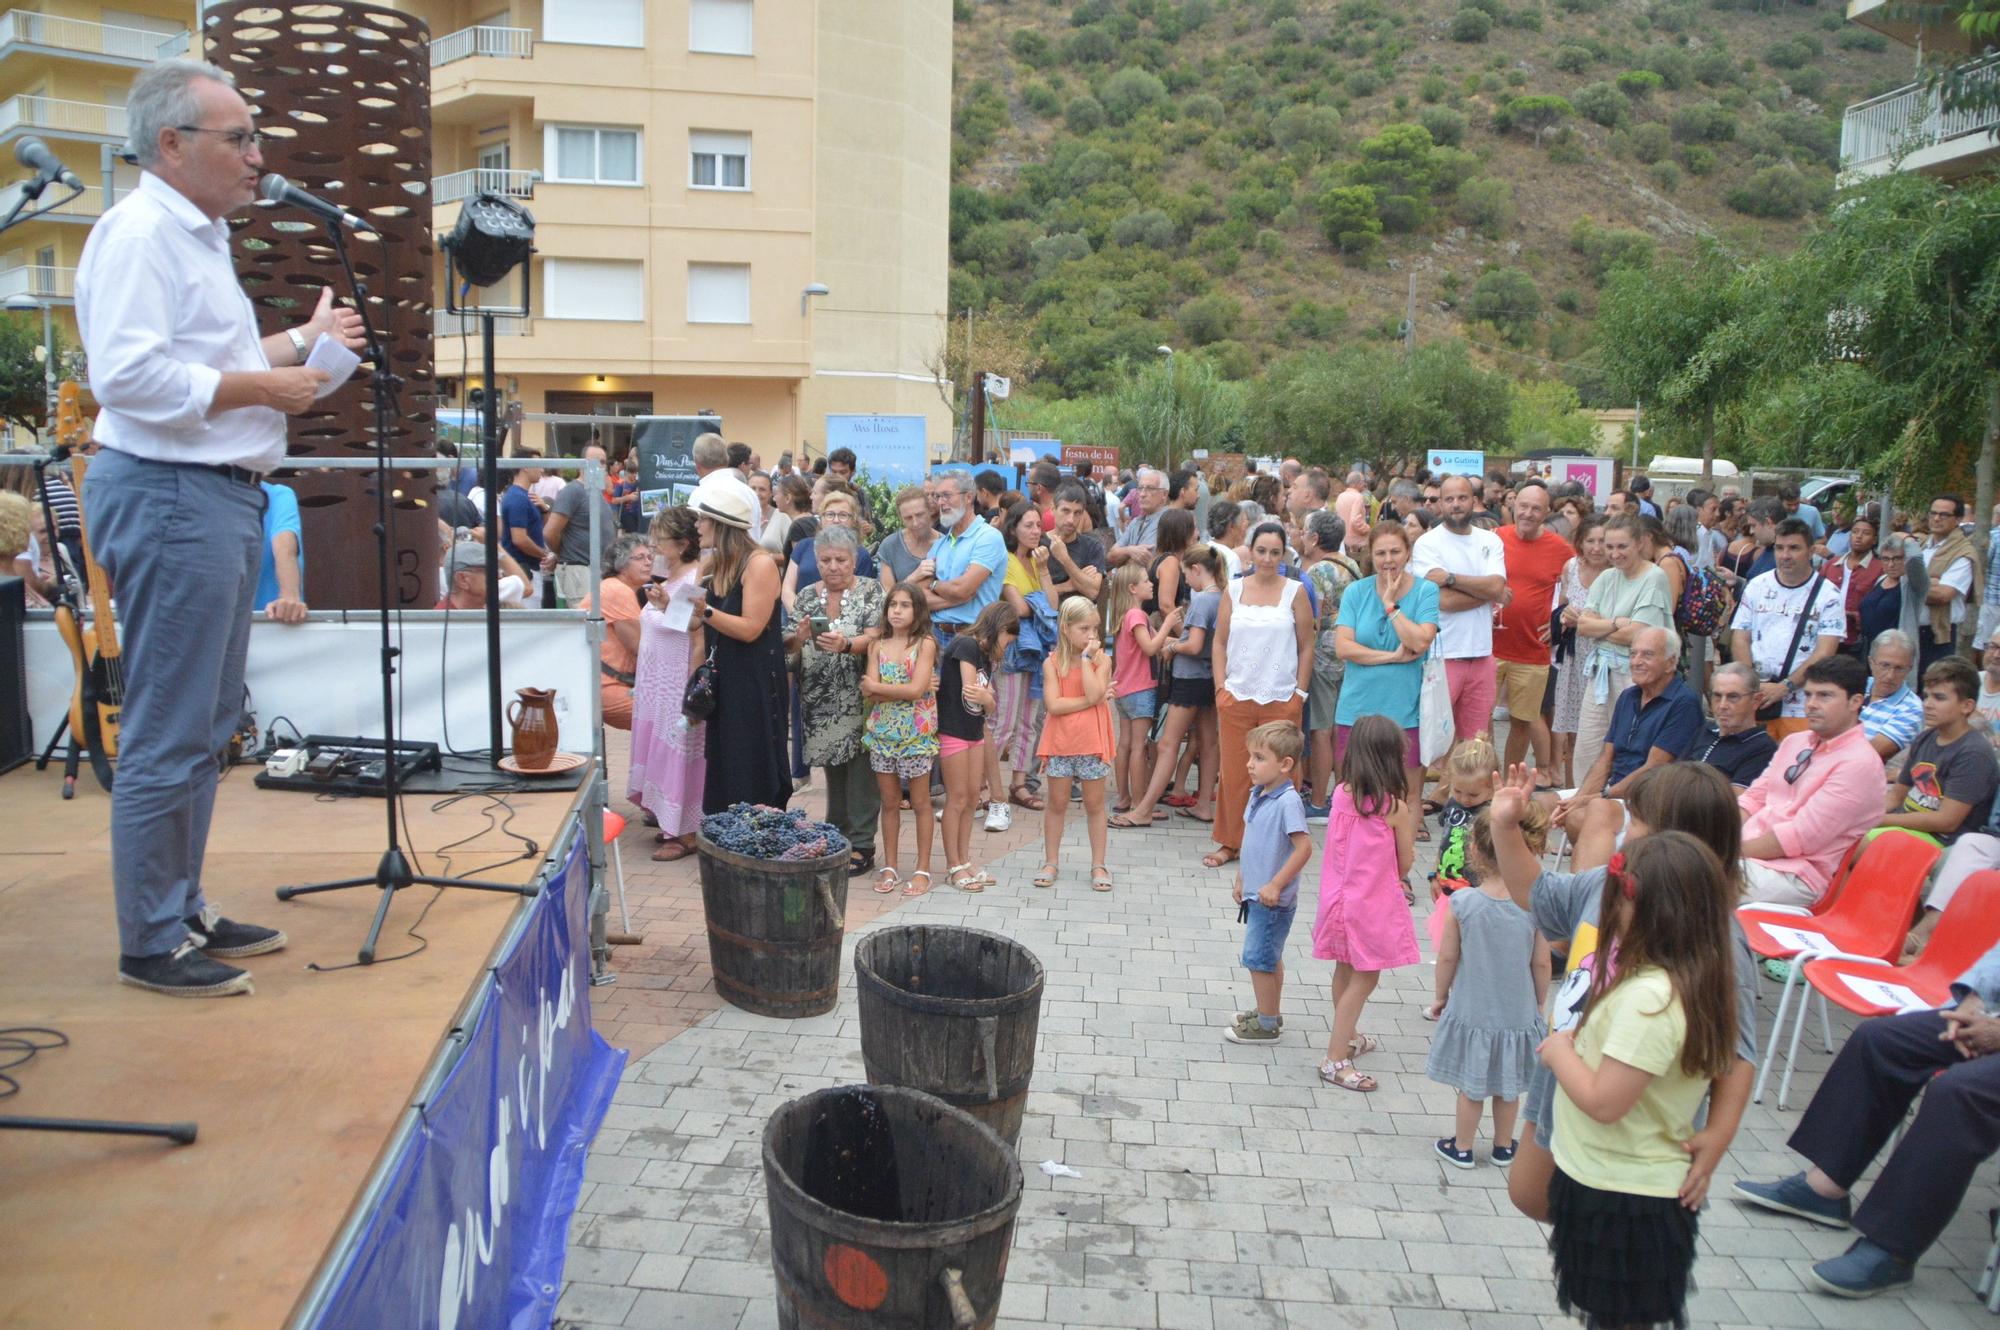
[46,353]
[1167,444]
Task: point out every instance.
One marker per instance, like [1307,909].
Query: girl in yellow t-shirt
[1659,1024]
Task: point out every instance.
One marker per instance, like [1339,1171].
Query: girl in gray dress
[1492,984]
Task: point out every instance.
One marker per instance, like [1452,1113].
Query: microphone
[274,188]
[35,155]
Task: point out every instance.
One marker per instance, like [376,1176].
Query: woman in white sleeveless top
[1263,666]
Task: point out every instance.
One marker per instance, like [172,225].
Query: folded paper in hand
[335,360]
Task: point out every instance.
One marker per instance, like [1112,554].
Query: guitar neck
[98,585]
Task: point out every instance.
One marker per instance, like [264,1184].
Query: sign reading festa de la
[1456,462]
[1103,460]
[889,448]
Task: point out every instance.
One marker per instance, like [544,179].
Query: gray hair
[1893,637]
[1253,512]
[836,538]
[1140,475]
[1737,667]
[1356,478]
[622,550]
[1405,489]
[1673,640]
[1683,527]
[1327,530]
[961,482]
[162,97]
[710,452]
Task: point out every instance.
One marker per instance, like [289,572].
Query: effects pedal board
[326,764]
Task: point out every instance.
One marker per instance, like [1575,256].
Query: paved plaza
[1222,1186]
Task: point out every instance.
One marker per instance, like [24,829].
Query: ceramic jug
[533,717]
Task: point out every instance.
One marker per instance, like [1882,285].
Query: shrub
[1852,38]
[1090,46]
[1715,69]
[1271,244]
[1788,54]
[1287,32]
[1571,59]
[1471,25]
[998,246]
[1312,132]
[1401,213]
[1602,103]
[1363,83]
[1569,300]
[1209,318]
[1434,87]
[1650,143]
[1604,248]
[1348,219]
[1487,205]
[1638,84]
[1667,176]
[1815,138]
[1030,47]
[1203,106]
[1310,320]
[1130,91]
[1674,66]
[1446,126]
[1084,114]
[1703,122]
[1043,100]
[1507,299]
[1807,82]
[1538,114]
[1782,192]
[1148,226]
[1698,160]
[1051,252]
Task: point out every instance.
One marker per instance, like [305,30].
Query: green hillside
[1245,179]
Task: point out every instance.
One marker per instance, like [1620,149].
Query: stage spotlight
[494,236]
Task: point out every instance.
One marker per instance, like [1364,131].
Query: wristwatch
[1450,578]
[298,343]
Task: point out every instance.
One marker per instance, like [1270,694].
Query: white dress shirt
[163,316]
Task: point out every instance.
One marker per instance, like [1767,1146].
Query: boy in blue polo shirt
[1275,849]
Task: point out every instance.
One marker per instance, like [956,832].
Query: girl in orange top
[1076,736]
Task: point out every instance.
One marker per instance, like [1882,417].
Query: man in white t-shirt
[1469,566]
[1767,619]
[1951,581]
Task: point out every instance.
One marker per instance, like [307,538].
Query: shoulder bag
[1776,709]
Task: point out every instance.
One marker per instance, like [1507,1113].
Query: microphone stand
[31,193]
[392,873]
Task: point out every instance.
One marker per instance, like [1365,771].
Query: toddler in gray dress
[1492,985]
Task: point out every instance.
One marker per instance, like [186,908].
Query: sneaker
[999,816]
[1862,1271]
[1248,1030]
[1447,1150]
[1503,1155]
[1791,1196]
[1319,812]
[217,936]
[1251,1015]
[185,972]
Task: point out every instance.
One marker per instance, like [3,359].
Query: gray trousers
[854,800]
[181,546]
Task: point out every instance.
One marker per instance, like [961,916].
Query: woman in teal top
[1383,632]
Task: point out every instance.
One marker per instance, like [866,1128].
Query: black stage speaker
[17,743]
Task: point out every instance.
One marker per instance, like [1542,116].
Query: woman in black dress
[747,761]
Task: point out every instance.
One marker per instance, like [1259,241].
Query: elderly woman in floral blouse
[834,620]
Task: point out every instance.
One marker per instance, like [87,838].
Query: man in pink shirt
[1351,507]
[1821,792]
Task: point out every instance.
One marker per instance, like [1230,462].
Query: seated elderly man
[1655,721]
[1820,794]
[1948,1057]
[1736,745]
[1893,713]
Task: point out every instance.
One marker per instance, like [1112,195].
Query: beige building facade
[698,171]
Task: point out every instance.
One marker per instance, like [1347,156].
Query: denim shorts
[1264,935]
[1136,706]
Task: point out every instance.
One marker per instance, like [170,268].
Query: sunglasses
[1798,767]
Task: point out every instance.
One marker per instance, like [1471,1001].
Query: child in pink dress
[1364,923]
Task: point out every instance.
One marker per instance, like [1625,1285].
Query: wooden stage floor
[296,1087]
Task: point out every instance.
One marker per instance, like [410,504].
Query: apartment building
[65,69]
[699,170]
[1908,128]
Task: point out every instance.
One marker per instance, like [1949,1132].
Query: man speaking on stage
[193,418]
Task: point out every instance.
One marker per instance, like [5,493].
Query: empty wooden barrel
[952,1012]
[890,1209]
[774,929]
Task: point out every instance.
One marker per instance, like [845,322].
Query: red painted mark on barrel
[855,1278]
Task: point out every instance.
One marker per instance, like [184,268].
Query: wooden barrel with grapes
[774,924]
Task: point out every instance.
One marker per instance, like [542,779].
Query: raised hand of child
[1510,797]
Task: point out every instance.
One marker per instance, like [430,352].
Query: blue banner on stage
[471,1223]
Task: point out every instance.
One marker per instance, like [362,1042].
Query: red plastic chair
[1967,930]
[1868,919]
[614,827]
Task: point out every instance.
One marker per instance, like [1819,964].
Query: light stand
[392,873]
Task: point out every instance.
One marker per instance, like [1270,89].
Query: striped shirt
[1897,717]
[62,499]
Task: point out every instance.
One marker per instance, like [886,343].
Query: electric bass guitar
[99,694]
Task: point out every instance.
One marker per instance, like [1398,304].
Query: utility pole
[1410,318]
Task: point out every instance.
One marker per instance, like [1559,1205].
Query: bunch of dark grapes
[759,831]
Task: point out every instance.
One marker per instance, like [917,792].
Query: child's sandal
[1047,877]
[886,880]
[1100,877]
[1344,1074]
[1362,1044]
[910,888]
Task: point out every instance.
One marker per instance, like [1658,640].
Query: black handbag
[1776,709]
[698,704]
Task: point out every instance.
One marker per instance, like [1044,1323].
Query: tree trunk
[1708,446]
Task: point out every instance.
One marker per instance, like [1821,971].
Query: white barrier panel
[324,676]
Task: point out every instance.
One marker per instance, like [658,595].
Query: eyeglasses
[240,140]
[1714,696]
[1798,768]
[1945,513]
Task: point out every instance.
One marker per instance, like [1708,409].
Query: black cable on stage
[18,1045]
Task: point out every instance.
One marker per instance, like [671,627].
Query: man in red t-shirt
[1535,559]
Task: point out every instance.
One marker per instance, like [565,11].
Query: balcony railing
[38,283]
[87,206]
[28,28]
[502,43]
[1901,122]
[55,116]
[483,180]
[451,325]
